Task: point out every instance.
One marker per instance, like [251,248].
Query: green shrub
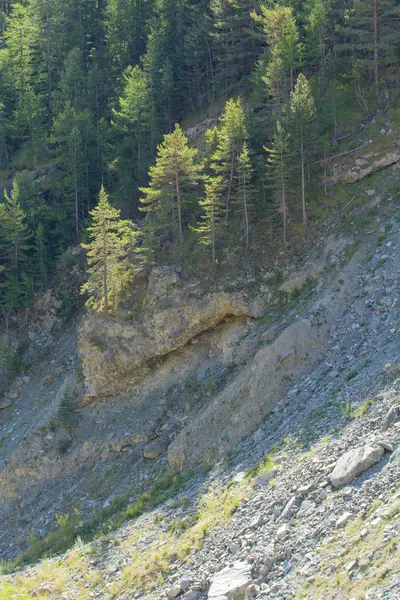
[66,409]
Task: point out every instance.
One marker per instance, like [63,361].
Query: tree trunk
[178,198]
[283,198]
[303,185]
[76,194]
[213,232]
[246,215]
[376,67]
[228,198]
[105,275]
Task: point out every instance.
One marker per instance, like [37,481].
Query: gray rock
[192,595]
[156,447]
[392,370]
[161,279]
[231,582]
[252,591]
[266,477]
[355,462]
[174,592]
[392,417]
[343,520]
[282,531]
[290,508]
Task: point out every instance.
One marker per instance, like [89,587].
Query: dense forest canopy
[99,93]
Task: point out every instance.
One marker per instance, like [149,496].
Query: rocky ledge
[118,352]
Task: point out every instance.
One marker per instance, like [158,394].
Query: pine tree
[236,45]
[279,164]
[209,226]
[231,135]
[14,231]
[317,26]
[282,36]
[245,191]
[41,258]
[132,127]
[72,137]
[5,361]
[302,121]
[172,182]
[109,271]
[373,32]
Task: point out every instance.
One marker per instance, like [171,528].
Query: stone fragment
[256,522]
[290,508]
[184,584]
[392,370]
[266,477]
[282,531]
[239,477]
[12,395]
[234,548]
[355,462]
[174,592]
[192,595]
[343,520]
[303,490]
[5,404]
[156,447]
[231,582]
[48,379]
[252,591]
[392,417]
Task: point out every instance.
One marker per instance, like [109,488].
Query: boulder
[343,520]
[392,370]
[156,447]
[266,477]
[392,417]
[174,592]
[354,462]
[48,380]
[5,404]
[231,582]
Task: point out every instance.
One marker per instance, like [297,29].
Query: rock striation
[117,353]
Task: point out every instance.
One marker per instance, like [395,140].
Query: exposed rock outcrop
[117,353]
[245,403]
[364,165]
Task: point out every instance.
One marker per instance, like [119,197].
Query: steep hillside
[254,428]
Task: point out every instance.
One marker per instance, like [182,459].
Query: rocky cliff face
[118,353]
[242,405]
[372,157]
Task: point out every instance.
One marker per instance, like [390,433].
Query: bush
[66,409]
[63,445]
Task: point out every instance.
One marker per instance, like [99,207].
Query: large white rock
[355,462]
[231,582]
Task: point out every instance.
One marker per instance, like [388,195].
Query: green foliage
[210,228]
[173,180]
[91,93]
[110,271]
[66,409]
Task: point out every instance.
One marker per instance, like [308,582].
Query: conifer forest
[175,131]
